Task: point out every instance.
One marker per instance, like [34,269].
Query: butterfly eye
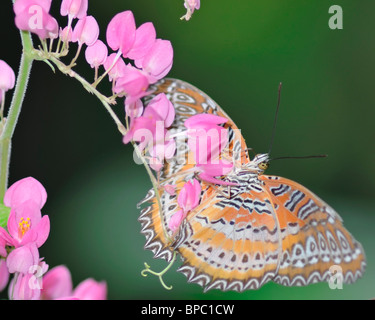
[263,165]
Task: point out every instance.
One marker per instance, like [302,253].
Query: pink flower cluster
[152,57]
[27,230]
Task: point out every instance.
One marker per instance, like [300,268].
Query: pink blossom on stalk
[74,8]
[116,69]
[191,5]
[66,34]
[160,108]
[7,79]
[121,32]
[188,199]
[176,220]
[145,37]
[158,61]
[189,196]
[133,84]
[33,16]
[86,31]
[135,109]
[96,54]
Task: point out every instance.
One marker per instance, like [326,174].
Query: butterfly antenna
[301,157]
[276,116]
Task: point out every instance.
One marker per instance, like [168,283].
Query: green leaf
[4,214]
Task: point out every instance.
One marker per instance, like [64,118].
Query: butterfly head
[261,162]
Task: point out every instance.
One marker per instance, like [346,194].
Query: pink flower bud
[117,70]
[86,31]
[96,54]
[74,8]
[176,220]
[135,109]
[7,77]
[121,32]
[64,35]
[189,196]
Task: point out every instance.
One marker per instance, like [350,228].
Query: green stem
[14,110]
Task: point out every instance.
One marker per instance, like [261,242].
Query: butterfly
[265,228]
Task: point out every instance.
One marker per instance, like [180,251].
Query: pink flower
[27,286]
[57,285]
[121,32]
[74,8]
[145,37]
[188,199]
[26,225]
[33,16]
[135,109]
[21,259]
[86,31]
[91,290]
[116,69]
[160,108]
[191,5]
[66,34]
[171,189]
[4,274]
[151,127]
[158,61]
[7,79]
[96,54]
[133,83]
[24,190]
[209,171]
[189,196]
[176,220]
[206,138]
[27,229]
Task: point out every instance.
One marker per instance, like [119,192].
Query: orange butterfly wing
[313,236]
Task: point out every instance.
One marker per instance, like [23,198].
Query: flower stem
[14,110]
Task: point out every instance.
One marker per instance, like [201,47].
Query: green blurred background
[237,52]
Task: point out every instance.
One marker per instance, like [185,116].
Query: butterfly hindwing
[314,239]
